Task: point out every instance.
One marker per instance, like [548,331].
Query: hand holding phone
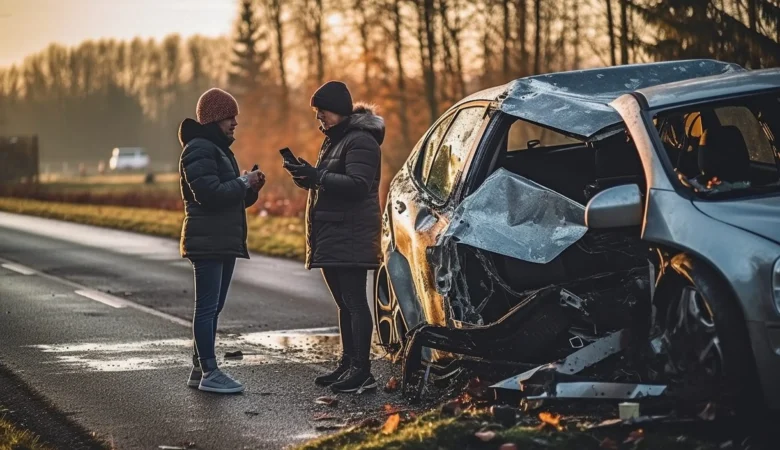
[288,156]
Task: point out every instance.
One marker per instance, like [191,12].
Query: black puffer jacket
[343,220]
[214,198]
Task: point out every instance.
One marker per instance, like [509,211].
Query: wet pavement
[118,365]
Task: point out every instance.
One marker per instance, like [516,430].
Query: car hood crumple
[760,216]
[577,103]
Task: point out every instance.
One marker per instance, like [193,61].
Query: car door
[421,213]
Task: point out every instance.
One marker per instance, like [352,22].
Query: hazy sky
[27,26]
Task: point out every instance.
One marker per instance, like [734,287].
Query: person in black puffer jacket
[214,231]
[343,222]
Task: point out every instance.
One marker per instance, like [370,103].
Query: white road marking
[116,302]
[101,297]
[18,268]
[106,299]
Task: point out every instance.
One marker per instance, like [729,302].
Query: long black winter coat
[343,220]
[214,198]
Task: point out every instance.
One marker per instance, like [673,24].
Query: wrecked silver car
[635,205]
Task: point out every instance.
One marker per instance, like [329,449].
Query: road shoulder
[27,409]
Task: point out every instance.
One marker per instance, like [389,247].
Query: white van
[128,158]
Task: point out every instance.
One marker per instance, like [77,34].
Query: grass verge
[13,438]
[270,236]
[432,431]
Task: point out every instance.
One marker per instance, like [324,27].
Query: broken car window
[524,135]
[453,151]
[431,145]
[724,147]
[759,147]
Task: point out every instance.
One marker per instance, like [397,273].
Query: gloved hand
[304,171]
[303,183]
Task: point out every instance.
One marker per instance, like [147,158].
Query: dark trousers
[212,280]
[348,287]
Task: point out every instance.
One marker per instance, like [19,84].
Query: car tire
[388,319]
[710,296]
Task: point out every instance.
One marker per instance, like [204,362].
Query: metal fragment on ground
[575,362]
[603,390]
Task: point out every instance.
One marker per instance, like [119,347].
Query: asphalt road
[96,321]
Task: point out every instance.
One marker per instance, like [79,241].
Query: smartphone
[288,156]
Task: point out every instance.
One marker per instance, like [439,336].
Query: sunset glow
[31,25]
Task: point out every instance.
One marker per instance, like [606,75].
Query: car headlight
[776,285]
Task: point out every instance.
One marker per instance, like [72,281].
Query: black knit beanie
[333,96]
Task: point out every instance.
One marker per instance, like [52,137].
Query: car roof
[576,103]
[711,88]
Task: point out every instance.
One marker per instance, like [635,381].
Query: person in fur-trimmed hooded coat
[343,220]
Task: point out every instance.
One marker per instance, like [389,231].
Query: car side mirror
[618,206]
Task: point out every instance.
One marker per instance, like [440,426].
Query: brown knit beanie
[215,105]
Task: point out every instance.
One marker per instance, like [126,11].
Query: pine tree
[708,29]
[250,53]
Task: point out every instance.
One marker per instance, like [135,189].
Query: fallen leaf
[508,446]
[553,420]
[392,385]
[485,436]
[391,424]
[635,436]
[608,444]
[390,409]
[330,401]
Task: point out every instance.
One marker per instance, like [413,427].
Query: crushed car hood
[516,217]
[577,103]
[759,216]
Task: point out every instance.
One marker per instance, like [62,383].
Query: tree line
[412,58]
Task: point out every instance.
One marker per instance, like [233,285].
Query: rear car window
[524,135]
[724,148]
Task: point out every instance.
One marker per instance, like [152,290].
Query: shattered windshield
[721,150]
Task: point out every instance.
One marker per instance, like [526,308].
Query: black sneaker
[357,380]
[330,378]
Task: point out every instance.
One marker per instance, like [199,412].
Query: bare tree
[611,31]
[522,29]
[310,13]
[576,43]
[452,42]
[361,11]
[273,10]
[427,40]
[755,57]
[537,36]
[624,31]
[398,47]
[507,38]
[548,38]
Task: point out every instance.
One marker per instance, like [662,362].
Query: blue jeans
[212,280]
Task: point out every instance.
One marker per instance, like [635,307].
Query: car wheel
[390,326]
[706,340]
